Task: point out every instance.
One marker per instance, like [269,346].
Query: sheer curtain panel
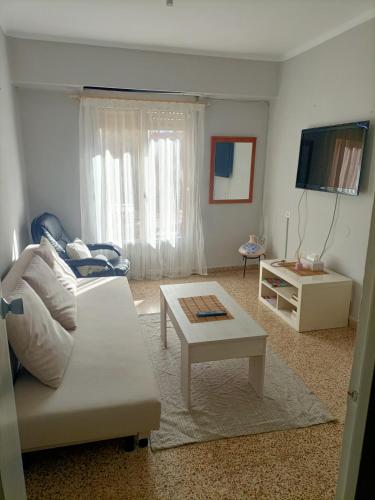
[139,171]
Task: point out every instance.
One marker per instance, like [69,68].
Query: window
[139,182]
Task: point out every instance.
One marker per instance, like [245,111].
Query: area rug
[223,404]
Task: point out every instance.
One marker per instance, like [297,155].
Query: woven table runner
[301,272]
[191,305]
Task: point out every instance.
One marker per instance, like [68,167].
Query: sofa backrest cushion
[17,270]
[9,282]
[39,342]
[59,301]
[61,269]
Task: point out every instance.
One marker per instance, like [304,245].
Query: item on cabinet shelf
[271,300]
[307,272]
[298,266]
[276,282]
[312,262]
[313,257]
[292,266]
[251,250]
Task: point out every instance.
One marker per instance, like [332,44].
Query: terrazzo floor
[295,464]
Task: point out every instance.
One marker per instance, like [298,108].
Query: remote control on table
[207,314]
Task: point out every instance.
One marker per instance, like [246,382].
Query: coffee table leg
[185,374]
[163,321]
[256,373]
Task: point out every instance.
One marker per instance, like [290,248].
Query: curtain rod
[99,93]
[135,91]
[132,98]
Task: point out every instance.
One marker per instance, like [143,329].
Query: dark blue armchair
[49,225]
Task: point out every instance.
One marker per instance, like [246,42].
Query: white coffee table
[240,337]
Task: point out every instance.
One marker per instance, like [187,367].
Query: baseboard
[223,268]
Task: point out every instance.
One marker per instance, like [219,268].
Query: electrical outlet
[287,214]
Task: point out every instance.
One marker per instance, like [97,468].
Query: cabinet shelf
[287,292]
[272,301]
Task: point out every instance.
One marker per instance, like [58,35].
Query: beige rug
[223,403]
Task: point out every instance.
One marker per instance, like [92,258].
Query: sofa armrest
[104,246]
[89,262]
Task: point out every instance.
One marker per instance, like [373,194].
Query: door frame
[360,381]
[12,480]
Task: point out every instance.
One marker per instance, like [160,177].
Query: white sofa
[109,388]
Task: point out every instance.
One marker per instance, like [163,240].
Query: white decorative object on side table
[253,249]
[240,337]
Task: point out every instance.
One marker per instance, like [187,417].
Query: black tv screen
[330,158]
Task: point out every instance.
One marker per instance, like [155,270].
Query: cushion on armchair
[79,250]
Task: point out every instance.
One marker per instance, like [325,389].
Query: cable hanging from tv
[330,227]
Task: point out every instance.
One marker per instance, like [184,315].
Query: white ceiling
[261,29]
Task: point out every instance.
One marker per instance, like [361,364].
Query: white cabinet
[306,302]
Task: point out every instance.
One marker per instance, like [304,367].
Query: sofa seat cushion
[109,389]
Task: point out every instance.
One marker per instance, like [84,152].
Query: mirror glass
[232,169]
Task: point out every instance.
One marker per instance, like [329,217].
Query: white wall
[55,64]
[227,226]
[50,121]
[50,141]
[50,136]
[332,83]
[13,204]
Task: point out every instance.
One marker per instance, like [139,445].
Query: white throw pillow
[61,304]
[79,250]
[40,343]
[62,271]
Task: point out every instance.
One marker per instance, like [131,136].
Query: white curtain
[139,168]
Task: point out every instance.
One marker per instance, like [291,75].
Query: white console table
[307,302]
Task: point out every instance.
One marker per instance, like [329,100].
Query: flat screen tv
[330,158]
